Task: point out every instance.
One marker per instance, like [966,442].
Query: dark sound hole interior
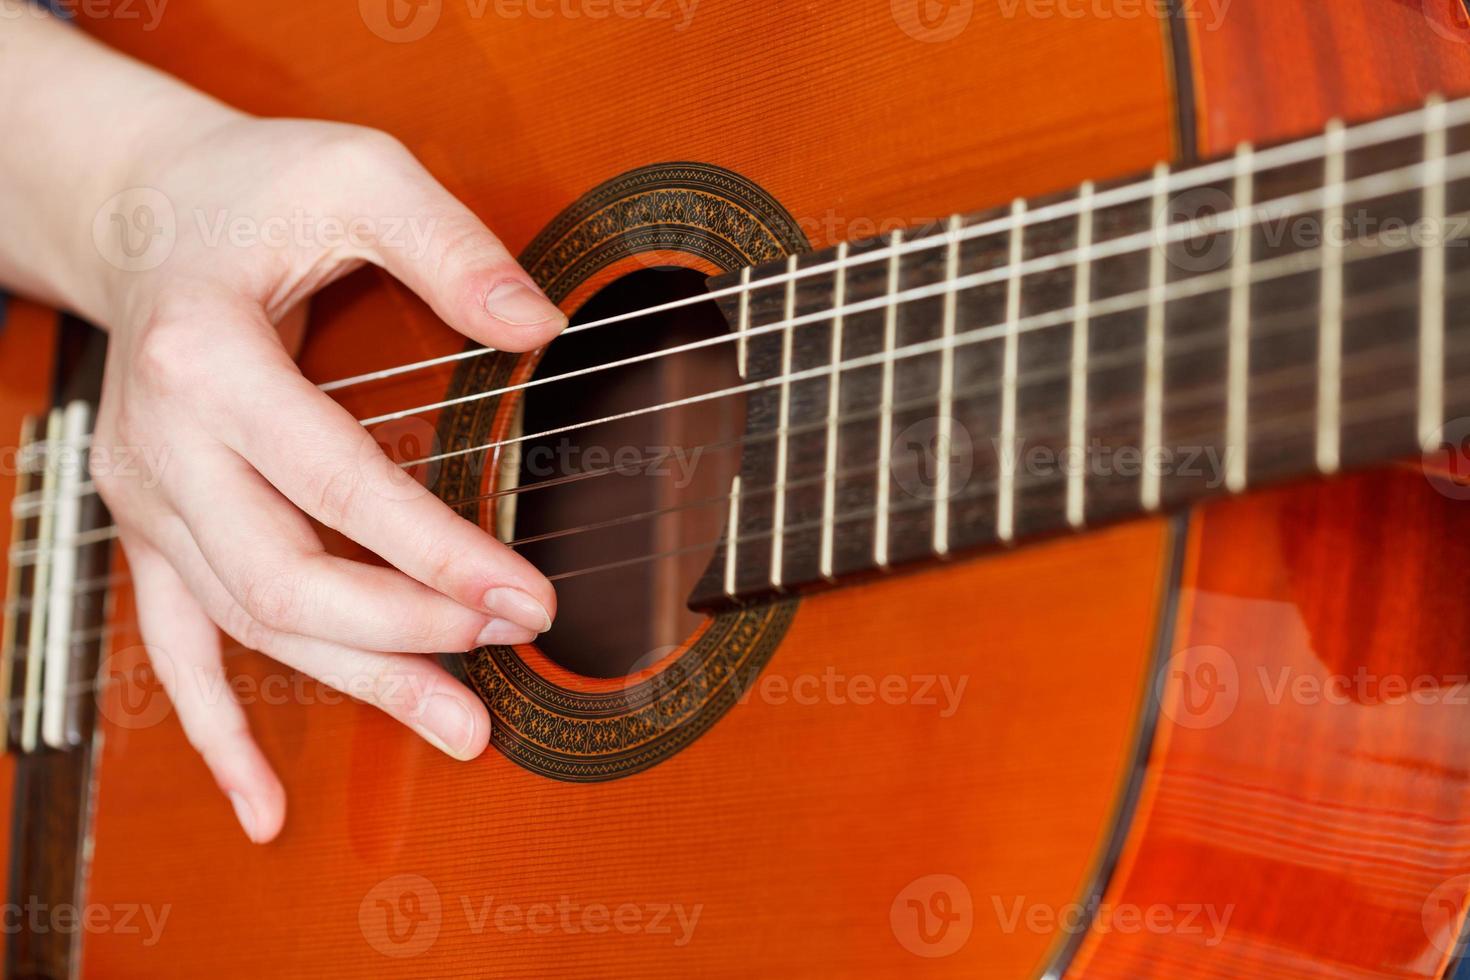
[641,500]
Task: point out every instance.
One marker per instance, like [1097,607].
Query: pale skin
[200,371]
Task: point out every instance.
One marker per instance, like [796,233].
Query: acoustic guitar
[1005,483]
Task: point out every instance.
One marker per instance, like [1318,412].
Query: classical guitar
[1005,483]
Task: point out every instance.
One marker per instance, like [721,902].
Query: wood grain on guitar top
[811,837]
[796,827]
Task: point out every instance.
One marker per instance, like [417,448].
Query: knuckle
[249,633]
[166,355]
[444,571]
[362,148]
[336,495]
[465,248]
[238,625]
[394,690]
[273,601]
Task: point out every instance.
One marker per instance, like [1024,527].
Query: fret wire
[732,536]
[885,423]
[12,588]
[943,416]
[1077,404]
[1005,508]
[36,635]
[1432,281]
[1329,357]
[1153,391]
[742,345]
[834,407]
[61,600]
[1237,412]
[778,518]
[1365,135]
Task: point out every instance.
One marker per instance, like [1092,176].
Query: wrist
[102,129]
[133,211]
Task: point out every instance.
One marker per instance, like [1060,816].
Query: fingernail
[500,632]
[445,722]
[517,607]
[518,304]
[243,814]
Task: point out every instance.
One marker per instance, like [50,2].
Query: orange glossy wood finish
[1307,806]
[1272,71]
[795,829]
[1322,831]
[790,830]
[1305,813]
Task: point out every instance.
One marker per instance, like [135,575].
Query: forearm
[80,124]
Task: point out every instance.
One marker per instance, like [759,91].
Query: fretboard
[1120,349]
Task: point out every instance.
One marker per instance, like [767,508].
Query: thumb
[438,248]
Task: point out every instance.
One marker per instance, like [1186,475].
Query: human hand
[197,366]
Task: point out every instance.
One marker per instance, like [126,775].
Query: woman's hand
[199,375]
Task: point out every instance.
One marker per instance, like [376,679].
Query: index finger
[445,254]
[321,459]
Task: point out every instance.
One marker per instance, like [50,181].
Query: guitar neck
[1115,350]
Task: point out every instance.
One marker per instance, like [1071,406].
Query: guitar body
[1101,755]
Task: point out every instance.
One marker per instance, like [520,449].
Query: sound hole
[624,516]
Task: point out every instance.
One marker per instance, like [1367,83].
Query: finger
[267,555]
[316,454]
[184,646]
[414,690]
[446,255]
